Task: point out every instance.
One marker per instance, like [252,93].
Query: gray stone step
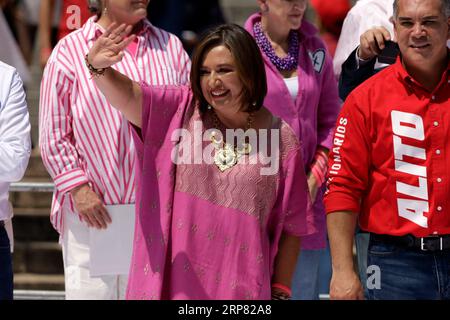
[32,224]
[31,212]
[38,258]
[35,172]
[30,281]
[35,167]
[30,199]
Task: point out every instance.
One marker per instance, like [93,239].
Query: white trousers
[79,285]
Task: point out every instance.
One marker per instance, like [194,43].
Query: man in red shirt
[390,166]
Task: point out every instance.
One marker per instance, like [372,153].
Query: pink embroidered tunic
[202,233]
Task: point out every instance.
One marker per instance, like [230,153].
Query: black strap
[431,243]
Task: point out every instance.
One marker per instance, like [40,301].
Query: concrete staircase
[37,259]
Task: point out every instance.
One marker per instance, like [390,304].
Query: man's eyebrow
[424,18]
[430,17]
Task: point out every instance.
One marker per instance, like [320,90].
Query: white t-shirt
[292,85]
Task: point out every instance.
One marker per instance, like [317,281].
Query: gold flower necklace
[226,156]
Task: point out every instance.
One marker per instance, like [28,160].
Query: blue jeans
[6,272]
[408,274]
[305,283]
[362,244]
[325,270]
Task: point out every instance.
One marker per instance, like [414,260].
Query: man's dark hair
[445,8]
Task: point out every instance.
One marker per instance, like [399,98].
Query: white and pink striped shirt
[83,139]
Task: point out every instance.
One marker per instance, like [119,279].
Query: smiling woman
[209,230]
[242,70]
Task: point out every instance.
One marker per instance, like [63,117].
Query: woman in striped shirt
[217,218]
[86,144]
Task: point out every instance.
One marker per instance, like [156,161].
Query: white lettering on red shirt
[339,137]
[410,125]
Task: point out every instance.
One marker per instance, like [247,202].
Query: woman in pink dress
[215,219]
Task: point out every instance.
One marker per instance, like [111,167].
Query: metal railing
[38,295]
[32,186]
[60,295]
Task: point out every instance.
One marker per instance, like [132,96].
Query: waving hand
[108,48]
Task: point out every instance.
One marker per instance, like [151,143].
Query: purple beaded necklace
[287,63]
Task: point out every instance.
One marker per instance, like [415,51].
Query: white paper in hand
[111,248]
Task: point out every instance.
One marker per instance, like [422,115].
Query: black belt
[430,243]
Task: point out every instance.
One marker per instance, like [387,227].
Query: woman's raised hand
[108,48]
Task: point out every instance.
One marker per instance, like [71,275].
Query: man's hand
[91,208]
[372,42]
[345,285]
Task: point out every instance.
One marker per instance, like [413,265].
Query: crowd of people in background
[352,93]
[47,21]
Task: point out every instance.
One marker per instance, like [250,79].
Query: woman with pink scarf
[215,219]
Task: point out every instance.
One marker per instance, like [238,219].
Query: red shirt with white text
[390,160]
